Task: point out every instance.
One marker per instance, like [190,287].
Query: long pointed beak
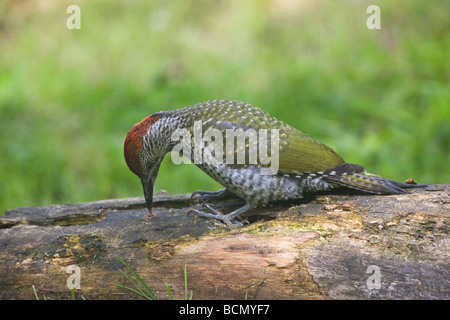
[147,184]
[148,193]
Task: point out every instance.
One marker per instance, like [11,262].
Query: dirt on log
[325,247]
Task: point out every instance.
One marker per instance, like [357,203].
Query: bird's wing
[301,153]
[237,144]
[297,151]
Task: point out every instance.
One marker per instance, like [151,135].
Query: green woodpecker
[252,154]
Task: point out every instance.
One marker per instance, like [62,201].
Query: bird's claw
[232,224]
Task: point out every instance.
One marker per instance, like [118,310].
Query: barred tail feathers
[354,176]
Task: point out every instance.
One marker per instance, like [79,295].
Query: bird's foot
[207,196]
[228,219]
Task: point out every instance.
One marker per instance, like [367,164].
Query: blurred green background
[379,98]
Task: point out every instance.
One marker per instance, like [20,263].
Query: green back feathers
[304,154]
[297,151]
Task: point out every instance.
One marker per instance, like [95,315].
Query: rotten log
[335,246]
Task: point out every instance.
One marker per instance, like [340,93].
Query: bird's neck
[163,131]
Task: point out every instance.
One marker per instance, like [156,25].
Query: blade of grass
[132,290]
[144,285]
[139,291]
[185,284]
[73,292]
[35,293]
[169,292]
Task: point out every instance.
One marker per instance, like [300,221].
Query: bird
[266,161]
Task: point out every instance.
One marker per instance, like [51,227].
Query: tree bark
[335,246]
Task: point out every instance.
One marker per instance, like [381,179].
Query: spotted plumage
[303,164]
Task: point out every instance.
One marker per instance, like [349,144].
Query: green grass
[68,97]
[36,294]
[140,287]
[72,294]
[136,285]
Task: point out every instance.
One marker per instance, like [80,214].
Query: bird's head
[144,149]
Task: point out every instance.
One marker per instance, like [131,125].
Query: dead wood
[326,247]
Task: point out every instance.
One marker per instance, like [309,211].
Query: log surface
[327,247]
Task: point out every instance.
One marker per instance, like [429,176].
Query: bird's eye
[149,165]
